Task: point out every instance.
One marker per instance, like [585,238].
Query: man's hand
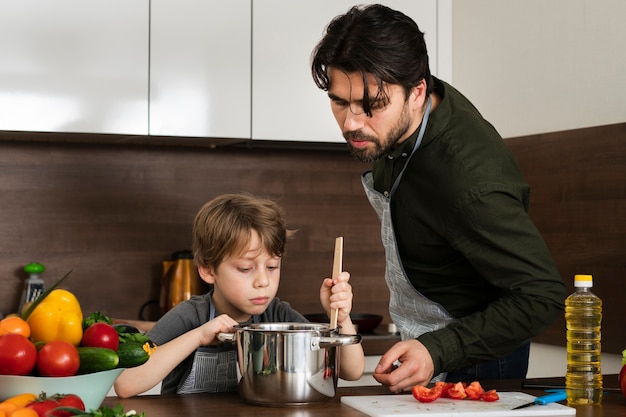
[415,366]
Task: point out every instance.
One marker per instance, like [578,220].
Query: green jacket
[460,216]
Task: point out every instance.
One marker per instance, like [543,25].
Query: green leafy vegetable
[96,317]
[140,338]
[116,411]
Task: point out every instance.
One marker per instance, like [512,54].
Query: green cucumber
[96,359]
[131,354]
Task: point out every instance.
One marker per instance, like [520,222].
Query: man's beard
[380,147]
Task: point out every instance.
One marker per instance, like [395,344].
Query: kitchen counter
[197,405]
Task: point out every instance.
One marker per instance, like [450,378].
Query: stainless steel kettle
[180,280]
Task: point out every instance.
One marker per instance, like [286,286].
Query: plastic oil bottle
[583,317]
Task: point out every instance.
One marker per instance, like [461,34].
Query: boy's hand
[210,329]
[336,294]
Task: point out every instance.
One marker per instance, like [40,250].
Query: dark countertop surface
[230,404]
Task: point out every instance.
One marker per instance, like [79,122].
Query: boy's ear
[206,273]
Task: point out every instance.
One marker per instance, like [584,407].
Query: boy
[238,244]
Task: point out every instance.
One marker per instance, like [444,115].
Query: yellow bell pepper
[21,400]
[57,317]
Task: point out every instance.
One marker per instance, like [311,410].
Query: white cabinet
[74,66]
[200,54]
[286,104]
[195,68]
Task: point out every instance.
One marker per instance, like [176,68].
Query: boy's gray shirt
[195,312]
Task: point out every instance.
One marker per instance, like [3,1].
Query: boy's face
[245,284]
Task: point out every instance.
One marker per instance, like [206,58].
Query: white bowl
[91,388]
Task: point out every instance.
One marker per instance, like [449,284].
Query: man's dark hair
[373,40]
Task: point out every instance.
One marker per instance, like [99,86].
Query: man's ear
[418,96]
[206,274]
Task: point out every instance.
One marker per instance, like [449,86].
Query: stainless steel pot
[288,364]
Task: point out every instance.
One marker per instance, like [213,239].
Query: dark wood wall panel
[578,202]
[111,212]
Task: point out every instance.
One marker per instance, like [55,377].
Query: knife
[529,383]
[546,399]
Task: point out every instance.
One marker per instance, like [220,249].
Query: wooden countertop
[200,405]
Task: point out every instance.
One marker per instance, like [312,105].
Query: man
[471,279]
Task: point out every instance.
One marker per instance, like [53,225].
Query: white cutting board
[405,405]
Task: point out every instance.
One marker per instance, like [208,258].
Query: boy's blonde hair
[224,225]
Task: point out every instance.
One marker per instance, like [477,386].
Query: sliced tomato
[490,396]
[444,386]
[457,391]
[424,394]
[474,391]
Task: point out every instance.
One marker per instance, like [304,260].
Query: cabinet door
[200,68]
[74,66]
[286,104]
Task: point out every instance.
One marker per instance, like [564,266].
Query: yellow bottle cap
[583,280]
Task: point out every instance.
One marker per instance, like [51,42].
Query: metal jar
[288,364]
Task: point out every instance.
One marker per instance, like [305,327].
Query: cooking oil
[583,317]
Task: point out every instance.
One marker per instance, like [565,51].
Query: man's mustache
[358,135]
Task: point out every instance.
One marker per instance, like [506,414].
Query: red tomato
[58,358]
[457,391]
[622,380]
[43,405]
[490,396]
[17,355]
[71,400]
[474,391]
[101,335]
[66,401]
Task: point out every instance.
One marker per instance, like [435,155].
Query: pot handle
[339,340]
[226,337]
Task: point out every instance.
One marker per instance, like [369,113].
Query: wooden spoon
[337,261]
